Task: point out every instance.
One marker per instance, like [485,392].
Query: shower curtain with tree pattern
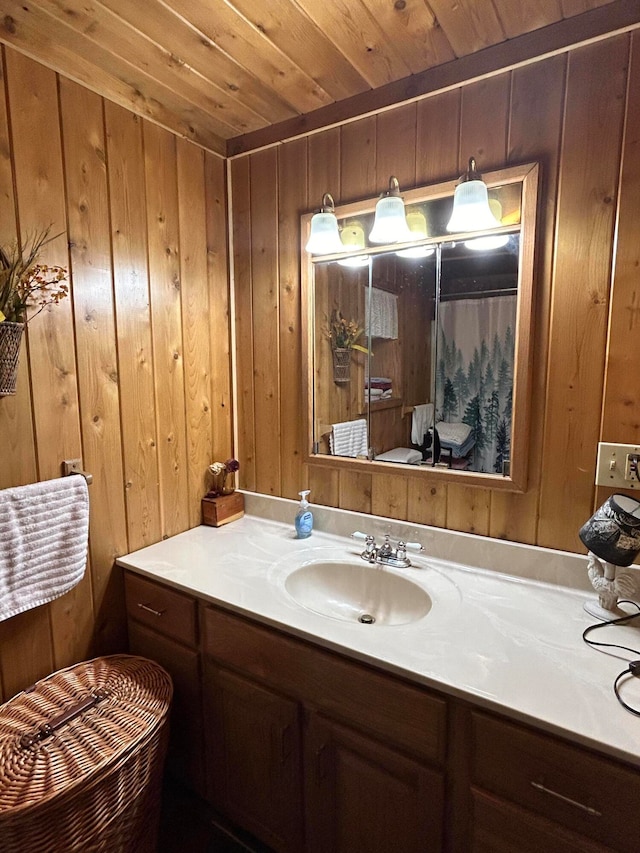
[474,380]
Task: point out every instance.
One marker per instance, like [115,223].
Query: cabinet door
[253,757]
[186,744]
[362,797]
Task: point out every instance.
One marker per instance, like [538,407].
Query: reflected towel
[421,420]
[44,530]
[349,438]
[381,320]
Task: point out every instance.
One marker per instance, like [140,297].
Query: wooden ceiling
[245,70]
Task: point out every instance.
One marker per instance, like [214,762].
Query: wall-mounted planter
[341,365]
[10,340]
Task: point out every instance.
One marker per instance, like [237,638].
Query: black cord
[634,666]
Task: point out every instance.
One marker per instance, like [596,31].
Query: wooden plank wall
[132,373]
[578,114]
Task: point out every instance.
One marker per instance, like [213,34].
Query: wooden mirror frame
[516,480]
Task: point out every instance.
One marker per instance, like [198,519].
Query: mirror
[418,354]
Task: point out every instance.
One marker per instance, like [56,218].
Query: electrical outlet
[617,466]
[631,467]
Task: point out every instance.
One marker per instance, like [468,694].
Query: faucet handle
[413,546]
[370,542]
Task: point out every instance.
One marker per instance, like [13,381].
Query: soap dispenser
[304,517]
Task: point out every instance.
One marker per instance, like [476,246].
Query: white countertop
[507,642]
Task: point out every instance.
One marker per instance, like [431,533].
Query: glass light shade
[417,224]
[390,224]
[324,236]
[352,236]
[494,241]
[471,211]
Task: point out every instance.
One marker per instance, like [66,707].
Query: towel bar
[74,466]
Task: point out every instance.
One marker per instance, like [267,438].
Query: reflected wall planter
[10,340]
[341,365]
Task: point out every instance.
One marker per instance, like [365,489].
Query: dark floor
[188,825]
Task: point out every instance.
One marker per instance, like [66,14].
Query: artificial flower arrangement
[221,471]
[344,333]
[26,284]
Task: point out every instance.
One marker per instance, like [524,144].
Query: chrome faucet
[386,554]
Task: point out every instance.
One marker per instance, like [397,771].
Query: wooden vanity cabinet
[530,791]
[312,752]
[163,627]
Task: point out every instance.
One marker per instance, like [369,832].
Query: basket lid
[72,724]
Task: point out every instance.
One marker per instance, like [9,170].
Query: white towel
[421,421]
[382,320]
[401,454]
[349,438]
[44,531]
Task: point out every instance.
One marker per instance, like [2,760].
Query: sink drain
[367,619]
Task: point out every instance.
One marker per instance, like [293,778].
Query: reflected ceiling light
[352,236]
[416,252]
[324,236]
[356,261]
[390,224]
[417,224]
[485,244]
[495,241]
[471,211]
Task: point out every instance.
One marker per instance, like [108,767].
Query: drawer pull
[148,609]
[540,787]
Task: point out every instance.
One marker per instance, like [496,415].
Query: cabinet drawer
[501,827]
[171,613]
[396,712]
[594,796]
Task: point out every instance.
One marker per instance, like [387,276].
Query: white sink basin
[354,592]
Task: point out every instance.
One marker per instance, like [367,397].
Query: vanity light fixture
[471,210]
[352,237]
[417,224]
[390,224]
[324,236]
[492,241]
[612,536]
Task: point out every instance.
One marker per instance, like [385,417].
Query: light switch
[617,466]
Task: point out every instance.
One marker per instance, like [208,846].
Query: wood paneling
[568,112]
[586,212]
[133,372]
[103,375]
[215,71]
[621,418]
[292,175]
[265,313]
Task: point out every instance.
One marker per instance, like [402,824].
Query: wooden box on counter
[222,509]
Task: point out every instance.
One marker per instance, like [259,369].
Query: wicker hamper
[81,755]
